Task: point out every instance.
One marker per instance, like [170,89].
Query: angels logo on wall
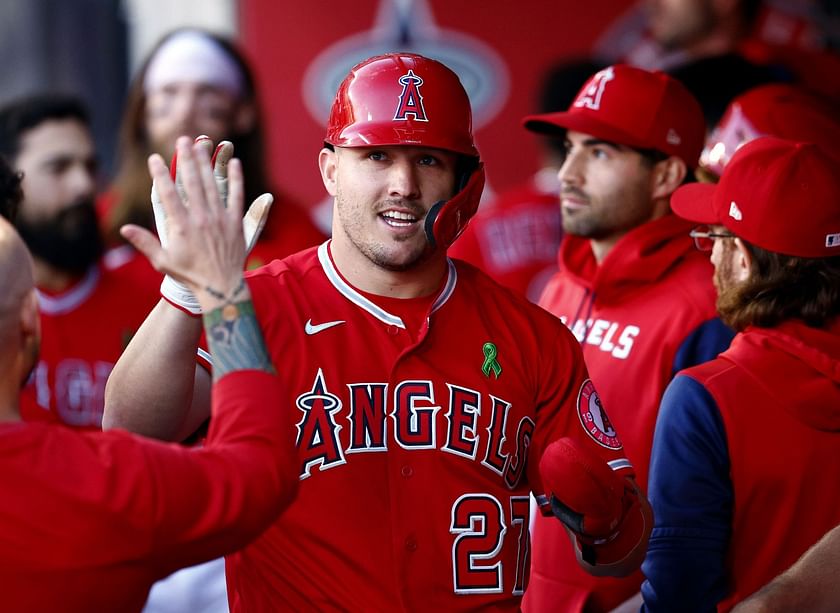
[409,25]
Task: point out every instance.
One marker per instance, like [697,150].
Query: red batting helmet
[402,99]
[778,110]
[407,99]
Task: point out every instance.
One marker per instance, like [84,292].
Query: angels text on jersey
[482,524]
[406,415]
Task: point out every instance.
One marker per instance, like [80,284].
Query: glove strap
[178,295]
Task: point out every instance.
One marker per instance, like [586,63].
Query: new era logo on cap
[673,138]
[776,194]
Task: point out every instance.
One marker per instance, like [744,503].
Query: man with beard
[90,302]
[427,406]
[746,456]
[630,284]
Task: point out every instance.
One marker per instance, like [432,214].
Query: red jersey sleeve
[569,405]
[114,497]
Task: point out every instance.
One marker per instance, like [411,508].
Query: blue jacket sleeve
[691,494]
[704,343]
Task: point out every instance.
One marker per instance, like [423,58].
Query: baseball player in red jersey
[91,519]
[89,304]
[430,401]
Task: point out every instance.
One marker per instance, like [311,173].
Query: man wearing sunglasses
[747,446]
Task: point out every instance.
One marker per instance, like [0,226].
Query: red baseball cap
[780,195]
[633,107]
[776,109]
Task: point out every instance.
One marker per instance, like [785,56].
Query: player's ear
[742,261]
[30,322]
[327,162]
[667,176]
[30,334]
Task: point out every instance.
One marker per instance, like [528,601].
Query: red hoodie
[644,313]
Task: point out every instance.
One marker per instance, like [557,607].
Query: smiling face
[382,196]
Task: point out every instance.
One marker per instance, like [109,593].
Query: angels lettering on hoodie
[646,312]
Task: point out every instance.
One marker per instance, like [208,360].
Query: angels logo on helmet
[411,100]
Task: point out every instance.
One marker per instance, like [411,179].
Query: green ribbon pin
[490,361]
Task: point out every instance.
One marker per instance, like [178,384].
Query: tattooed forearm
[234,336]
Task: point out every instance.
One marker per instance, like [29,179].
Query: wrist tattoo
[221,296]
[235,339]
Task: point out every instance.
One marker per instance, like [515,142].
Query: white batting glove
[177,293]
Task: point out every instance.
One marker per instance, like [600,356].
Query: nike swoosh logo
[311,328]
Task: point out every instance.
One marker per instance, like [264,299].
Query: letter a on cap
[411,102]
[735,212]
[591,96]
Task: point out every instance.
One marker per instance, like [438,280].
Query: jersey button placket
[406,471]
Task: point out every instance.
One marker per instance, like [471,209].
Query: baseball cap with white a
[633,107]
[780,195]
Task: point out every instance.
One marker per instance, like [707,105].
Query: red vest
[785,462]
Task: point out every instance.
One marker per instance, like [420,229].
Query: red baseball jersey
[84,329]
[90,520]
[418,448]
[515,237]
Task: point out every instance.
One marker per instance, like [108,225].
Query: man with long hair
[194,82]
[747,446]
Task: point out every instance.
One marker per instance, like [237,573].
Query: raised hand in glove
[177,293]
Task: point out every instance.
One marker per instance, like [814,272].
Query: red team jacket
[646,312]
[89,520]
[746,462]
[84,329]
[417,457]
